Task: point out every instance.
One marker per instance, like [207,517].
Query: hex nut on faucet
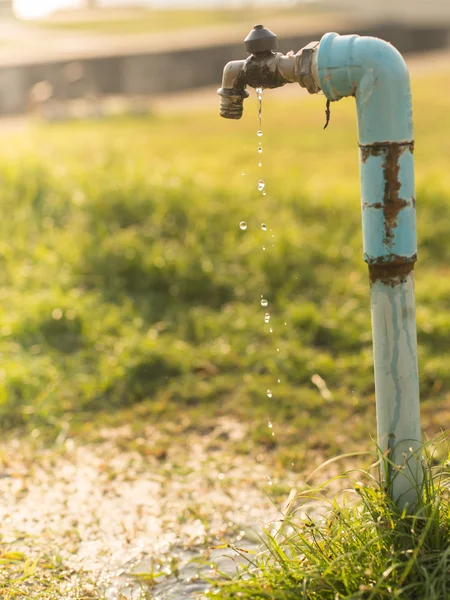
[304,67]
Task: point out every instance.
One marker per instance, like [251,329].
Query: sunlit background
[31,9]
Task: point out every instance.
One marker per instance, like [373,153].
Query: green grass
[45,576]
[127,284]
[114,21]
[356,546]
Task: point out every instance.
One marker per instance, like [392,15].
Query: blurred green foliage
[127,281]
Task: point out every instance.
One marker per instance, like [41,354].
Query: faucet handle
[260,39]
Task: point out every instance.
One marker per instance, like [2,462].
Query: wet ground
[158,514]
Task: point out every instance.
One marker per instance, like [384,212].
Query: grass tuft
[356,546]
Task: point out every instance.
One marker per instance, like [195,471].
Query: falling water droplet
[243,173]
[261,185]
[264,193]
[269,425]
[269,393]
[266,318]
[270,330]
[260,150]
[263,226]
[259,133]
[279,380]
[263,247]
[264,302]
[259,92]
[260,164]
[243,225]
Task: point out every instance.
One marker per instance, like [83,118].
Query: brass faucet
[265,68]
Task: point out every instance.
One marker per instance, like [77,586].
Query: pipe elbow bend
[375,73]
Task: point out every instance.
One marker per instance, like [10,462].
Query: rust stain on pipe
[392,203]
[380,148]
[393,271]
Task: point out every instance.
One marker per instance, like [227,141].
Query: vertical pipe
[397,384]
[390,249]
[375,73]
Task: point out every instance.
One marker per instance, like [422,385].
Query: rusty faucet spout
[265,68]
[233,92]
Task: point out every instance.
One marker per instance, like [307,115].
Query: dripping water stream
[193,564]
[264,301]
[259,133]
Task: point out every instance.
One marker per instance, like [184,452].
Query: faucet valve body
[265,68]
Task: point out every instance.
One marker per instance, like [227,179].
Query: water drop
[259,133]
[264,302]
[243,173]
[279,380]
[263,226]
[264,193]
[263,247]
[259,95]
[269,425]
[260,150]
[260,164]
[261,185]
[243,225]
[269,393]
[270,330]
[266,318]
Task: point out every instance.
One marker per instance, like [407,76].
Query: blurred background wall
[59,51]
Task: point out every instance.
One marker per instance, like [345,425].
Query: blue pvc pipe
[375,73]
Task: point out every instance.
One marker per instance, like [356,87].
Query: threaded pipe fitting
[232,102]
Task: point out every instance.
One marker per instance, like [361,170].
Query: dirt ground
[106,510]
